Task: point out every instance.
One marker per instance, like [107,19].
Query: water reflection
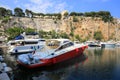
[94,64]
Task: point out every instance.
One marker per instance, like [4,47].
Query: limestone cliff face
[84,26]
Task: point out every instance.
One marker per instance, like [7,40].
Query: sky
[56,6]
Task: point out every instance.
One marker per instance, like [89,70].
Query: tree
[27,12]
[9,12]
[2,12]
[5,12]
[87,14]
[19,12]
[73,14]
[98,35]
[58,15]
[106,16]
[76,14]
[66,14]
[80,14]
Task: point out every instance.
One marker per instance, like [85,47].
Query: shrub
[75,19]
[13,32]
[77,37]
[98,35]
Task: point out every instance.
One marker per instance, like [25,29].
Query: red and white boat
[47,57]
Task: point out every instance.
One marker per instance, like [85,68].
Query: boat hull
[108,45]
[56,59]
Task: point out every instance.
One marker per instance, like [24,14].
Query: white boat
[48,56]
[118,44]
[93,43]
[109,44]
[24,45]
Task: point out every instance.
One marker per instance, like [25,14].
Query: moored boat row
[108,44]
[37,52]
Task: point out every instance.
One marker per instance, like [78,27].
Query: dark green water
[94,64]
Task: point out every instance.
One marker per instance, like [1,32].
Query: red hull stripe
[57,59]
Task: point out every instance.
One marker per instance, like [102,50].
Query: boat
[47,57]
[93,43]
[118,44]
[108,44]
[16,47]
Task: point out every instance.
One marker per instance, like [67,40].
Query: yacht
[24,45]
[47,56]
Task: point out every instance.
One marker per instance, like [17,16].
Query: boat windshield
[65,46]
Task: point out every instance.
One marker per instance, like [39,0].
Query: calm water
[94,64]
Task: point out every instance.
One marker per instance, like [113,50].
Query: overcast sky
[55,6]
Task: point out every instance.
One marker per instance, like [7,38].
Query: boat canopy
[19,37]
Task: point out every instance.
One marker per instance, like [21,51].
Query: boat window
[30,42]
[65,46]
[13,43]
[68,44]
[42,40]
[65,41]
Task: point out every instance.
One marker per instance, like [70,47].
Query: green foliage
[19,12]
[105,15]
[73,14]
[13,32]
[5,12]
[28,13]
[42,33]
[75,19]
[2,12]
[98,35]
[6,19]
[76,14]
[29,30]
[77,37]
[71,34]
[64,35]
[9,12]
[52,34]
[58,15]
[66,14]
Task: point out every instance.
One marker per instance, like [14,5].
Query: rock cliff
[83,26]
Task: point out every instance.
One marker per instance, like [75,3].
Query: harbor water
[94,64]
